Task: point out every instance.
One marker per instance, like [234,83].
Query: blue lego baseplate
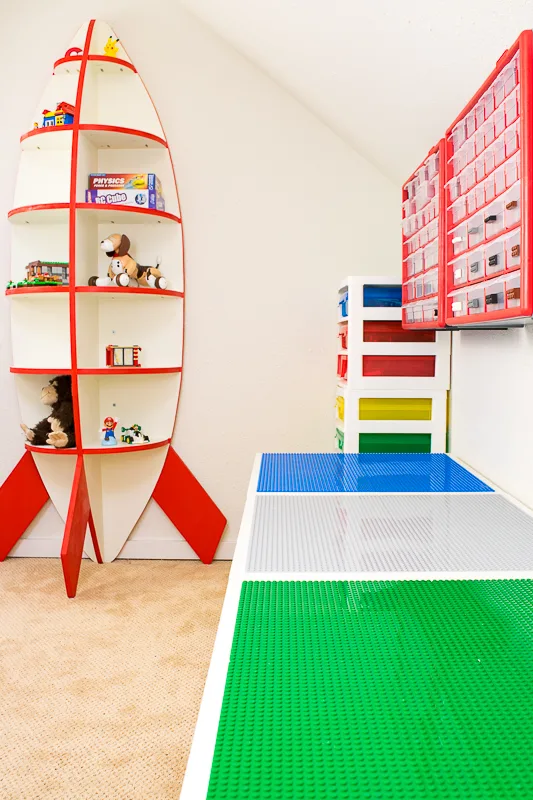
[365,472]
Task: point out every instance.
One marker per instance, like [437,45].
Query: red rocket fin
[22,495]
[79,514]
[189,507]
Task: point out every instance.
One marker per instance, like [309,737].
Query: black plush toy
[58,428]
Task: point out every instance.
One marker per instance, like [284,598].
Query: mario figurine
[108,430]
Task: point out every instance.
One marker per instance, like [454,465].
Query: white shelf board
[394,425]
[355,393]
[112,215]
[55,138]
[399,348]
[380,314]
[41,216]
[94,67]
[121,139]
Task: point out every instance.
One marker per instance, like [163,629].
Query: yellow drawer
[340,408]
[395,408]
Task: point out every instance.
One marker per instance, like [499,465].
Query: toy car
[133,435]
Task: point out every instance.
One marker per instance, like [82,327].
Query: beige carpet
[99,695]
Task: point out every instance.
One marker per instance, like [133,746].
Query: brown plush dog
[123,270]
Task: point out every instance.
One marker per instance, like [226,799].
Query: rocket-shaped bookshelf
[65,330]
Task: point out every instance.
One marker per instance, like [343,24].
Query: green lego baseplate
[379,690]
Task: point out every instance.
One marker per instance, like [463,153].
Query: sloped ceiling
[388,76]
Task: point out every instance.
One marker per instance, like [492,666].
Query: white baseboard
[138,548]
[170,549]
[35,547]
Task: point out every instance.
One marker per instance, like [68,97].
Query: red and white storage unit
[380,363]
[423,244]
[488,195]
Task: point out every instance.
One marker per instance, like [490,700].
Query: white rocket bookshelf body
[116,129]
[397,396]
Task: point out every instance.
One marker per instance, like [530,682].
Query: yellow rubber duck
[111,47]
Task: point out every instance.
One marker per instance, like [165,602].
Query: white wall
[276,208]
[492,406]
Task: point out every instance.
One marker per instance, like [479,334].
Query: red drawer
[342,366]
[399,366]
[343,336]
[382,331]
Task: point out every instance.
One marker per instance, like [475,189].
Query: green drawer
[395,443]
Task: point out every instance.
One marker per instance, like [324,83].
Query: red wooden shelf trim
[103,371]
[88,127]
[73,59]
[129,371]
[149,212]
[38,290]
[73,451]
[127,448]
[51,129]
[127,290]
[28,371]
[38,207]
[118,129]
[120,61]
[52,451]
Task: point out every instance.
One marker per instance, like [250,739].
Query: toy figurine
[123,270]
[111,47]
[108,430]
[133,435]
[57,429]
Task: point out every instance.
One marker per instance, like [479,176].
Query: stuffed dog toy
[123,270]
[58,428]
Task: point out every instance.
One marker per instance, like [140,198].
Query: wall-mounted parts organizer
[423,244]
[488,194]
[466,226]
[65,329]
[392,382]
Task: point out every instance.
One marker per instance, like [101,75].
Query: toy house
[55,270]
[63,115]
[122,356]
